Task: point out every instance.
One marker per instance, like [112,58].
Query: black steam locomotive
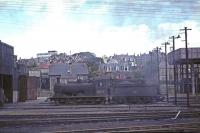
[106,91]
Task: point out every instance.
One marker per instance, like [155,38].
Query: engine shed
[6,70]
[15,84]
[178,58]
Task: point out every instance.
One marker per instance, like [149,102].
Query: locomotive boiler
[76,93]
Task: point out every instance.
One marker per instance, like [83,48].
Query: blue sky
[103,27]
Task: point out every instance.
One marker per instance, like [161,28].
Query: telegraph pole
[166,72]
[158,69]
[175,76]
[186,55]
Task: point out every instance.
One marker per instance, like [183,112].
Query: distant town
[18,76]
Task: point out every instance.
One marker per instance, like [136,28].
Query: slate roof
[79,68]
[63,69]
[58,69]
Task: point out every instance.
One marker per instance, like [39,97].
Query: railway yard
[47,117]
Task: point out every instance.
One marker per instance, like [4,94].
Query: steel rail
[94,118]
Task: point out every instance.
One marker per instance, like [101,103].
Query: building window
[117,68]
[104,68]
[100,84]
[122,67]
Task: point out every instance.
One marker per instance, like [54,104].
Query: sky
[103,27]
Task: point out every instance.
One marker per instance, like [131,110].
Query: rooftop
[179,55]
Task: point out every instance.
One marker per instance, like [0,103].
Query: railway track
[47,117]
[97,114]
[68,118]
[85,108]
[193,127]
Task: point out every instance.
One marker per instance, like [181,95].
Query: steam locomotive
[106,91]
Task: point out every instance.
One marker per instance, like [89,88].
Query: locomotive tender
[106,91]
